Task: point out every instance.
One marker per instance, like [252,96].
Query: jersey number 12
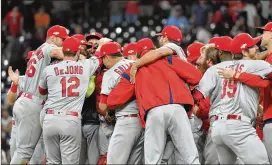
[74,83]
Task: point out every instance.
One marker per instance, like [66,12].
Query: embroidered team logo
[131,51]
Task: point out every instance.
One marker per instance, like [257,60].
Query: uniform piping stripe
[126,76]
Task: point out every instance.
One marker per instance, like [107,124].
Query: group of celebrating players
[88,100]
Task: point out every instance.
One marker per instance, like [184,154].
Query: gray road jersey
[179,51]
[67,84]
[111,78]
[229,96]
[40,59]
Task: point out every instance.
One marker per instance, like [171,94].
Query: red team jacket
[267,95]
[164,82]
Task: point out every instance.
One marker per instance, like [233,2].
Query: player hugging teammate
[104,104]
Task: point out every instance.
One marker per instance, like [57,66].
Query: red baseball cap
[145,44]
[110,48]
[243,41]
[71,44]
[82,39]
[267,27]
[94,35]
[193,51]
[131,49]
[30,54]
[222,43]
[171,32]
[58,31]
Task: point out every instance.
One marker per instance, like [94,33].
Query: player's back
[235,97]
[67,84]
[111,78]
[39,60]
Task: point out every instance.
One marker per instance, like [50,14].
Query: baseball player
[106,123]
[200,123]
[92,40]
[14,93]
[220,51]
[90,118]
[169,39]
[127,137]
[130,51]
[165,102]
[66,83]
[28,107]
[232,131]
[267,92]
[257,82]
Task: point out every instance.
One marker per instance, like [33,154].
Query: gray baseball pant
[235,138]
[267,130]
[210,154]
[38,151]
[27,118]
[104,135]
[169,119]
[90,133]
[126,143]
[62,138]
[171,154]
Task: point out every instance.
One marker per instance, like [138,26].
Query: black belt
[268,121]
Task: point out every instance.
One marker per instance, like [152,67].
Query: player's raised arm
[187,72]
[169,39]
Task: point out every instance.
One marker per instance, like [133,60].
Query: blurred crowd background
[24,25]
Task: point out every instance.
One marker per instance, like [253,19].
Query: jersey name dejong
[69,70]
[122,68]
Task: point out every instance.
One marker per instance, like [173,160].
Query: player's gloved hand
[13,76]
[110,117]
[91,87]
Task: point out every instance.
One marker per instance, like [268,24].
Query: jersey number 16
[74,83]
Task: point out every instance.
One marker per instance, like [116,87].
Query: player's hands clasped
[13,76]
[225,73]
